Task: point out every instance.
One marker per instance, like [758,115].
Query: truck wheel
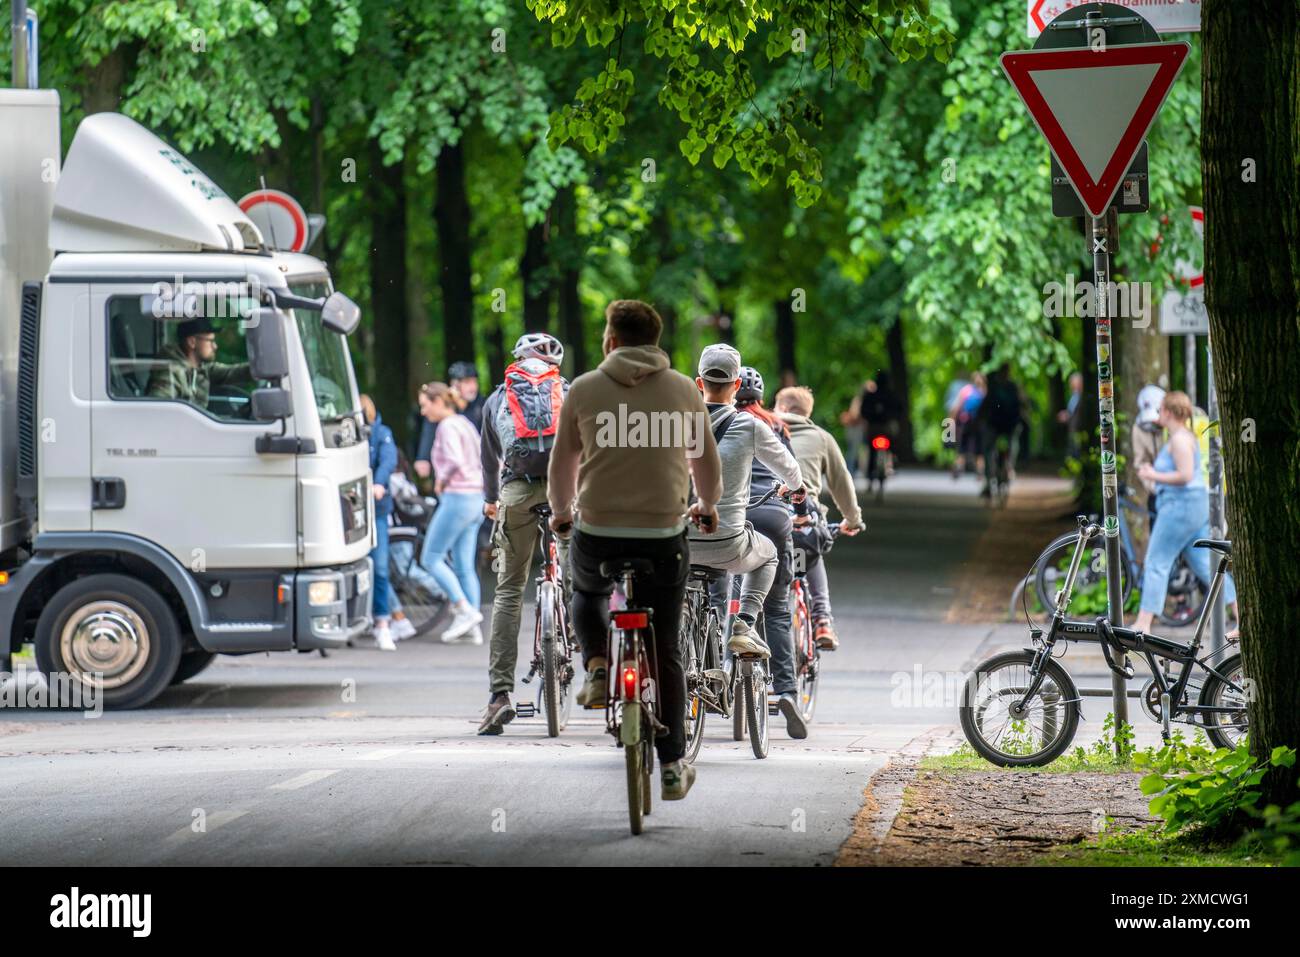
[115,627]
[192,662]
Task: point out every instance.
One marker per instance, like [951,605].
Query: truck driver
[192,368]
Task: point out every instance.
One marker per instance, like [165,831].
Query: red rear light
[733,607]
[629,683]
[628,620]
[880,443]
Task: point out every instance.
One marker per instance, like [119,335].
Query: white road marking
[381,754]
[302,780]
[213,821]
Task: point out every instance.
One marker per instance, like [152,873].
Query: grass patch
[1151,847]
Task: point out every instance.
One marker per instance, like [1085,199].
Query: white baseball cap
[719,363]
[1149,400]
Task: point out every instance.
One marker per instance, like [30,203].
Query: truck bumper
[332,624]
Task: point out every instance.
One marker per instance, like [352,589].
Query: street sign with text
[1181,16]
[1094,105]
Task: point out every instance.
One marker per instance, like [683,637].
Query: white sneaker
[384,639]
[745,642]
[402,629]
[463,620]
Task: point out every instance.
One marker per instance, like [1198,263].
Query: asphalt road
[368,757]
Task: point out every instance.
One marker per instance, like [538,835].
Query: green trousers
[515,540]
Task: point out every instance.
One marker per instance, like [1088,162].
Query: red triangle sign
[1094,107]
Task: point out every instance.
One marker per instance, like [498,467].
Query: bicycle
[554,646]
[1021,708]
[878,468]
[807,653]
[1186,595]
[420,598]
[997,470]
[631,699]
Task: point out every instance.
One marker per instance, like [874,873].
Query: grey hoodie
[632,434]
[746,439]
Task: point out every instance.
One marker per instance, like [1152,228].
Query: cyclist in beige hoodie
[632,435]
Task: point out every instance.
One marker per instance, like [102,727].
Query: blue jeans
[1180,520]
[454,529]
[381,591]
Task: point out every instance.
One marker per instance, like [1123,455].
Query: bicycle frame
[1127,640]
[637,678]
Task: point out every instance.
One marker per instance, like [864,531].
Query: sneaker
[402,629]
[464,619]
[500,711]
[795,726]
[745,642]
[824,635]
[593,692]
[675,780]
[384,639]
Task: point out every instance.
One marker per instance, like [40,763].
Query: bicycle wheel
[1032,736]
[1089,584]
[755,687]
[693,649]
[647,768]
[807,667]
[1185,597]
[557,676]
[737,703]
[1226,730]
[416,592]
[635,776]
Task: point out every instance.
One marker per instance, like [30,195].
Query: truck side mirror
[340,314]
[268,357]
[271,404]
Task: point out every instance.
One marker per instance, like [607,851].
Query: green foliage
[1213,791]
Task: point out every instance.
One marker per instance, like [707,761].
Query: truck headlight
[323,592]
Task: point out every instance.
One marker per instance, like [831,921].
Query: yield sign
[1094,107]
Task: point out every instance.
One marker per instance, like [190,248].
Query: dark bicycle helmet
[751,385]
[462,370]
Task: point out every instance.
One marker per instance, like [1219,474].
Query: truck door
[172,439]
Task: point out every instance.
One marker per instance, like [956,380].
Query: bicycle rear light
[629,682]
[629,620]
[880,443]
[733,608]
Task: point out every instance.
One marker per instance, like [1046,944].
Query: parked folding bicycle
[1022,708]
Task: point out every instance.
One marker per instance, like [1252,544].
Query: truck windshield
[327,356]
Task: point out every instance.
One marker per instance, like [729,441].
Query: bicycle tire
[1063,732]
[1182,572]
[556,692]
[807,669]
[737,704]
[1048,571]
[755,686]
[695,709]
[647,769]
[421,606]
[1213,694]
[635,783]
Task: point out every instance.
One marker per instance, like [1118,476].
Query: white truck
[156,507]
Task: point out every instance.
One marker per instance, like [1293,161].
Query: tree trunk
[898,372]
[534,276]
[102,83]
[668,338]
[569,305]
[786,360]
[1249,135]
[451,217]
[388,289]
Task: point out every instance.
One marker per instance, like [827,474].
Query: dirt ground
[972,818]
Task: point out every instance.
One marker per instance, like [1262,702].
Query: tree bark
[1250,135]
[388,314]
[534,275]
[452,219]
[569,300]
[898,372]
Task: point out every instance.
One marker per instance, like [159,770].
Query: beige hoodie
[631,436]
[819,455]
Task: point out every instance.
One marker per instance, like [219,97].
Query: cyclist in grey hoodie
[736,547]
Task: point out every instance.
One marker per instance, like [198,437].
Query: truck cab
[189,472]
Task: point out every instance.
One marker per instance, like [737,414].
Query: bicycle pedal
[525,709]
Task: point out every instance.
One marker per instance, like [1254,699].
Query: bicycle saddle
[707,573]
[614,567]
[543,509]
[1217,544]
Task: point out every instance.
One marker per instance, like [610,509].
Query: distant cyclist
[736,547]
[519,423]
[881,411]
[965,406]
[819,459]
[773,520]
[632,494]
[998,419]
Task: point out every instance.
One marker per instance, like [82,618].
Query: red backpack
[526,421]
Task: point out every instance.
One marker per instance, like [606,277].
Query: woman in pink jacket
[458,483]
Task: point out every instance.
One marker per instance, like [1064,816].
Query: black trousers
[664,591]
[774,521]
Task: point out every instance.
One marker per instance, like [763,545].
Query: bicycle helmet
[462,370]
[539,345]
[751,385]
